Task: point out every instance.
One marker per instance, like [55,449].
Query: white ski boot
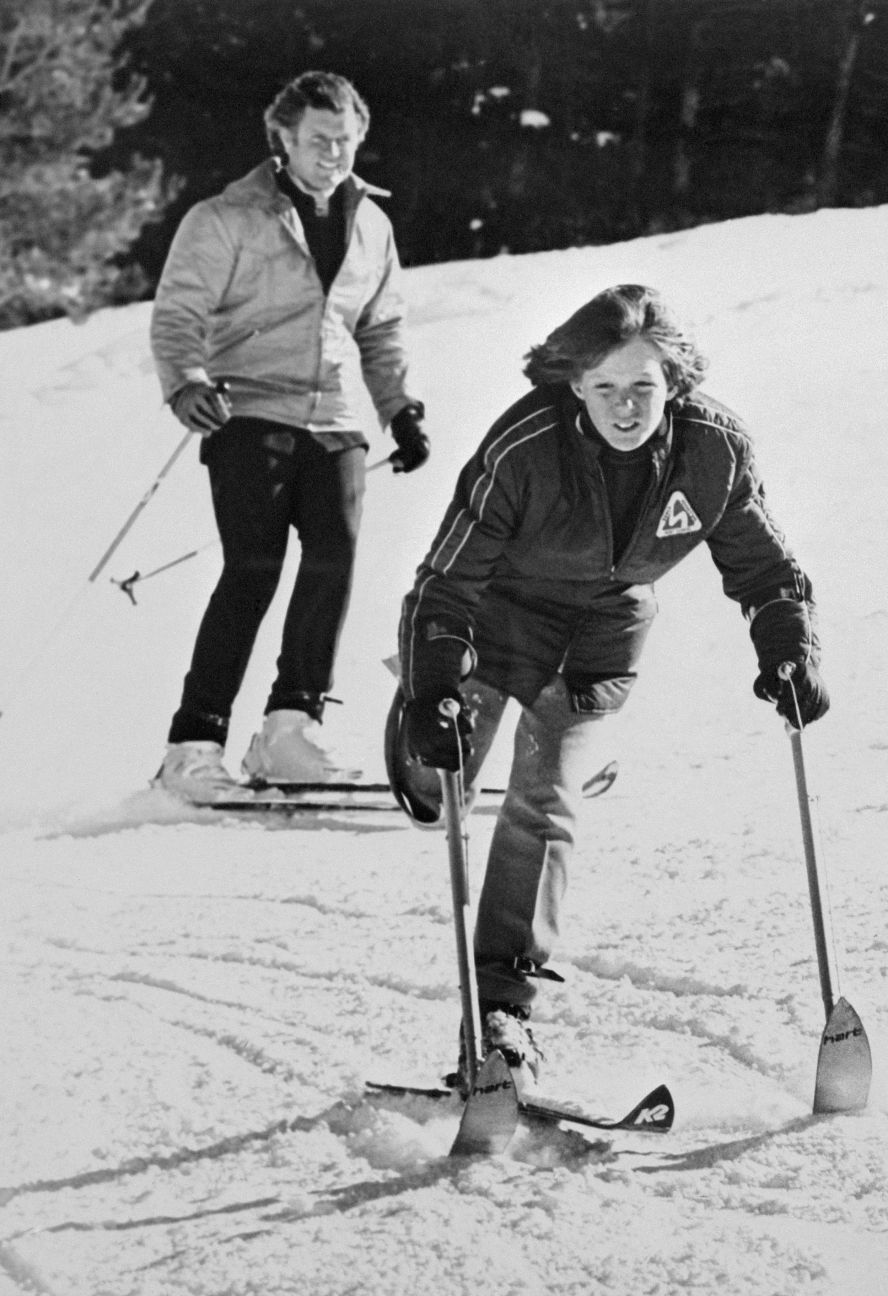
[290,749]
[195,772]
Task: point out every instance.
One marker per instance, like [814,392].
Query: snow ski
[655,1113]
[293,798]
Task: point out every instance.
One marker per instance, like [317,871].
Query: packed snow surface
[192,1003]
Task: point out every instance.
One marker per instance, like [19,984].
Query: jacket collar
[659,445]
[258,186]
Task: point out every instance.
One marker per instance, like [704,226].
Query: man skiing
[539,587]
[269,291]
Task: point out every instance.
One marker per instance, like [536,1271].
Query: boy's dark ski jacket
[522,566]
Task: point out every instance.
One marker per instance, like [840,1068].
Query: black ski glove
[435,738]
[784,631]
[201,407]
[801,699]
[413,444]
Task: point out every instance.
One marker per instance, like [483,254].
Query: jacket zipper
[257,332]
[610,521]
[649,496]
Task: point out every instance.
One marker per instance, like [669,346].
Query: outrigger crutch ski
[490,1116]
[844,1063]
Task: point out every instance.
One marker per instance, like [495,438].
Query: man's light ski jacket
[523,561]
[240,299]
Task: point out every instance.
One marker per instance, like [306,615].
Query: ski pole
[814,889]
[149,494]
[137,576]
[844,1064]
[221,387]
[452,787]
[127,584]
[100,565]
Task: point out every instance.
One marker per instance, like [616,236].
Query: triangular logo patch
[678,517]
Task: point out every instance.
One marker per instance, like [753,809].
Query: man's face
[625,394]
[322,148]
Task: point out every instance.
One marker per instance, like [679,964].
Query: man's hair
[612,318]
[325,90]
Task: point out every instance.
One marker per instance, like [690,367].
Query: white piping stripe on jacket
[492,462]
[490,476]
[760,506]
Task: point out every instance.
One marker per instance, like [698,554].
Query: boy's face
[625,394]
[322,148]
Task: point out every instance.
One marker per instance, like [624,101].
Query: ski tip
[601,781]
[655,1112]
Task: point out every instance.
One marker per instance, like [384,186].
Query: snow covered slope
[192,1006]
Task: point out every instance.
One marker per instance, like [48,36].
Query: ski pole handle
[785,671]
[450,709]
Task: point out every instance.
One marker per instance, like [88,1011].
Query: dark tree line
[534,124]
[524,125]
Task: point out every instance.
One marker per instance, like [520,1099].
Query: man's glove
[801,698]
[436,738]
[201,407]
[413,444]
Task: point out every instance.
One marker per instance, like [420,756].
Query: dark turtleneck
[627,474]
[324,232]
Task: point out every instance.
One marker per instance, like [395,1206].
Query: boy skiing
[539,587]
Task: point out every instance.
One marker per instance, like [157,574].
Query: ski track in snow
[193,1002]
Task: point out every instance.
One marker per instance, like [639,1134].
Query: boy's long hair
[612,318]
[324,90]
